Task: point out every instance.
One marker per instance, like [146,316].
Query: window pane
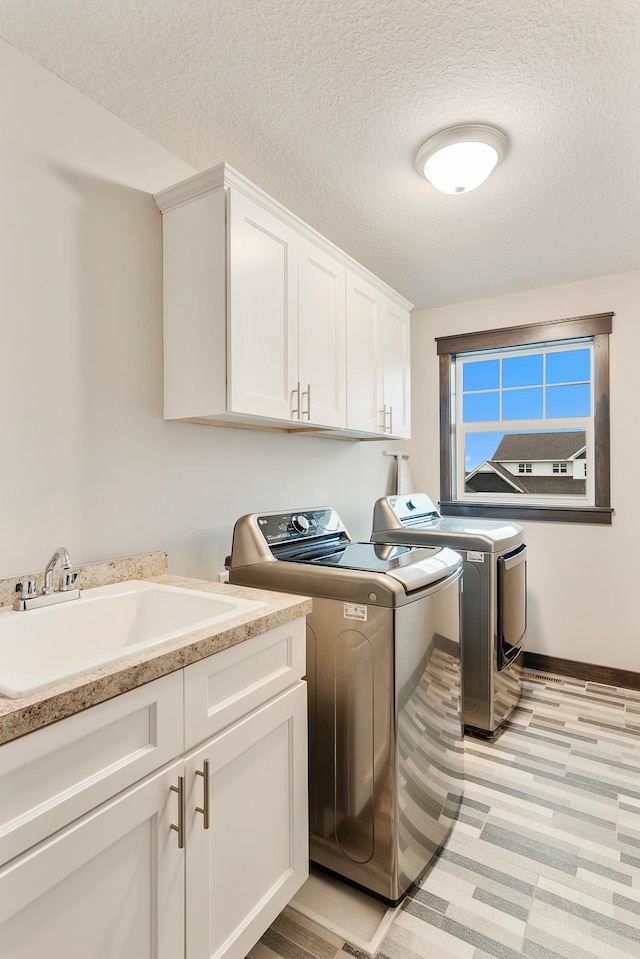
[479,447]
[481,375]
[525,463]
[478,407]
[522,404]
[522,371]
[568,401]
[550,386]
[572,366]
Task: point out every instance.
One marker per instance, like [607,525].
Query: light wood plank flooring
[544,859]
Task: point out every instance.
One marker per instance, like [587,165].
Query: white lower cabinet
[110,886]
[245,867]
[195,860]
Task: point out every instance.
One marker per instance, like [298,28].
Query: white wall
[584,580]
[87,461]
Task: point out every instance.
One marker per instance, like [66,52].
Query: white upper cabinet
[268,324]
[322,337]
[364,385]
[395,369]
[263,310]
[378,362]
[287,321]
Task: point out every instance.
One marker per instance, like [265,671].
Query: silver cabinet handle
[307,393]
[295,410]
[204,808]
[390,430]
[182,811]
[383,414]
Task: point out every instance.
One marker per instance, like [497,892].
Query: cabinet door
[364,380]
[396,375]
[54,775]
[245,868]
[109,886]
[322,336]
[262,310]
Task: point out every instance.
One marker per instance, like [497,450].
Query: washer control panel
[277,528]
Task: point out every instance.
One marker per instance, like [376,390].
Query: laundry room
[174,175]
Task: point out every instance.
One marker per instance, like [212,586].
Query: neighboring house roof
[500,480]
[557,485]
[490,466]
[527,447]
[489,483]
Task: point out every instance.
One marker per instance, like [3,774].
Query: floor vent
[545,679]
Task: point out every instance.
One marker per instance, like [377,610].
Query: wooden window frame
[597,327]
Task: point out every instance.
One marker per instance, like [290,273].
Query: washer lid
[427,571]
[412,567]
[413,520]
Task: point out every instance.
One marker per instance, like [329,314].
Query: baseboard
[606,675]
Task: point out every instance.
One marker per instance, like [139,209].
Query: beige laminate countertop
[28,713]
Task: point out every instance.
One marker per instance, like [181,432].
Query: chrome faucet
[60,556]
[26,589]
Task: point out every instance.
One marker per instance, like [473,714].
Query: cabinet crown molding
[223,176]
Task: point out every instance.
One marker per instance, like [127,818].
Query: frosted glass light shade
[460,158]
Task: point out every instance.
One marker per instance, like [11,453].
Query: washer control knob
[373,597]
[300,523]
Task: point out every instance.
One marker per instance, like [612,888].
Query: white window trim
[546,425]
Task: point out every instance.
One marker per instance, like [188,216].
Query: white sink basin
[43,646]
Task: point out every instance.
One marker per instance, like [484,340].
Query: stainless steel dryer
[384,683]
[494,618]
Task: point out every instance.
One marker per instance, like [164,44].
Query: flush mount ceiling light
[460,158]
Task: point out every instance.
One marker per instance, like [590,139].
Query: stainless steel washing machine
[494,618]
[384,684]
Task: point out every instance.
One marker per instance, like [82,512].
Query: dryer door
[512,604]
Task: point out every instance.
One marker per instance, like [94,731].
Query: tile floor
[544,859]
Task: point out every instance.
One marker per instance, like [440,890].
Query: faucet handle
[67,579]
[27,588]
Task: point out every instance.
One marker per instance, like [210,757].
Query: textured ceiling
[323,103]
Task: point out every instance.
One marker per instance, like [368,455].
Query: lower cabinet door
[109,886]
[247,864]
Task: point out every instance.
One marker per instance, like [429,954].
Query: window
[524,421]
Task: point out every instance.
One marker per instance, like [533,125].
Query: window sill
[594,515]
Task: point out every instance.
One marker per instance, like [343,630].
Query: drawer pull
[182,812]
[204,809]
